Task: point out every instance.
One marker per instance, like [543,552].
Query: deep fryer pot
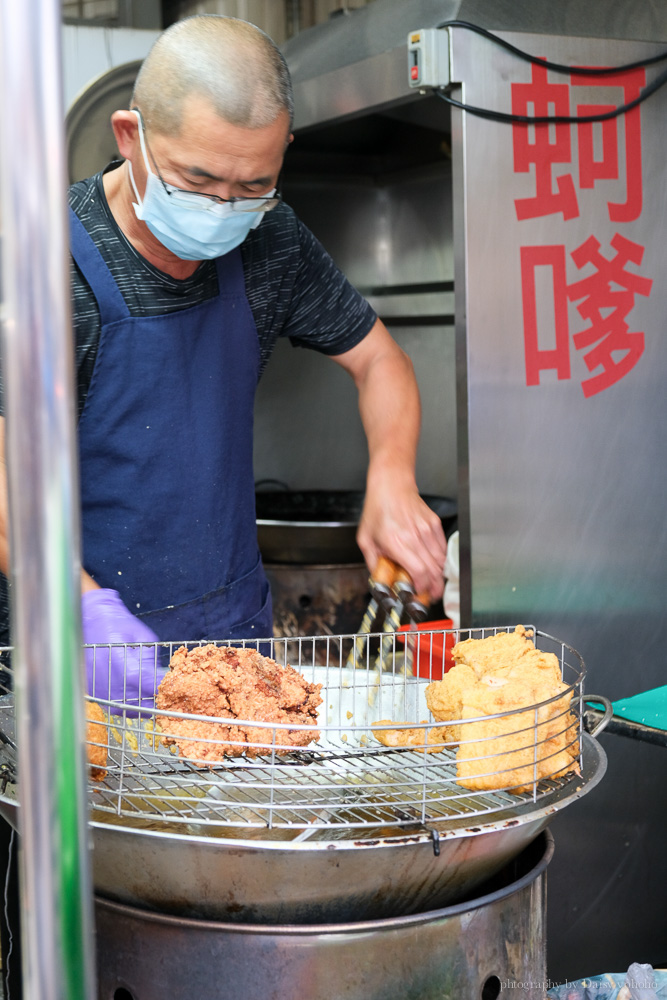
[311,527]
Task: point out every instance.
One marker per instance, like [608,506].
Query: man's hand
[395,521]
[398,524]
[128,674]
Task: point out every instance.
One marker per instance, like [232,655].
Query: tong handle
[385,571]
[389,576]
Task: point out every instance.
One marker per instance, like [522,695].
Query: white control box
[428,57]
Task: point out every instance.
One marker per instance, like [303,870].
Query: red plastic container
[431,654]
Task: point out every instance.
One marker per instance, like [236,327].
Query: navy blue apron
[166,459]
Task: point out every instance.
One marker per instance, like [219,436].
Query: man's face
[211,156]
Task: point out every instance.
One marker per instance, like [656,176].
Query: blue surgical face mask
[192,227]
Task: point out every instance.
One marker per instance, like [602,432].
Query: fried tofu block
[96,739]
[405,738]
[516,748]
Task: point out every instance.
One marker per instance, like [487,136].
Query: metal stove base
[475,949]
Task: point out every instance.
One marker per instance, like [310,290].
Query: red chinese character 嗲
[543,358]
[609,295]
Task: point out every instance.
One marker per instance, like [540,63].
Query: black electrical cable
[501,116]
[513,119]
[557,67]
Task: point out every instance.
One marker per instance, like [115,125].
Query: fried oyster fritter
[444,698]
[503,651]
[227,682]
[407,737]
[501,674]
[516,748]
[96,739]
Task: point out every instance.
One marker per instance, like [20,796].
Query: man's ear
[125,127]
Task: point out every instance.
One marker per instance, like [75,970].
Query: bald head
[230,62]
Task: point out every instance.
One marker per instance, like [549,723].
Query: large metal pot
[318,881]
[466,950]
[320,526]
[314,881]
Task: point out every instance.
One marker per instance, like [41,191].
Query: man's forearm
[396,522]
[391,414]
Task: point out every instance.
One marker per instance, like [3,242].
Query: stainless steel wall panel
[394,232]
[307,427]
[383,25]
[563,474]
[308,433]
[563,513]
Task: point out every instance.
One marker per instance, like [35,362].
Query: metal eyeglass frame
[239,204]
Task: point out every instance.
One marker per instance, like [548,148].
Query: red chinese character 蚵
[542,358]
[590,169]
[533,146]
[609,295]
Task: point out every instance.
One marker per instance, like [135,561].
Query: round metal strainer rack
[345,782]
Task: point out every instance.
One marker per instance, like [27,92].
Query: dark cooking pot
[313,527]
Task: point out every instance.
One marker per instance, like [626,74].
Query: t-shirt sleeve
[296,291]
[327,313]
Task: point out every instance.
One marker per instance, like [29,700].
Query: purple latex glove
[128,674]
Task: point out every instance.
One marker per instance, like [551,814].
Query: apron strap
[230,270]
[111,303]
[90,262]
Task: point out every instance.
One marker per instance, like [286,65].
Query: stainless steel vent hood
[372,40]
[349,37]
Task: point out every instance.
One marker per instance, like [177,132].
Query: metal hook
[608,713]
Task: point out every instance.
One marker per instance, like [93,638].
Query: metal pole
[56,897]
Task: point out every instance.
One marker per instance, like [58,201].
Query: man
[186,269]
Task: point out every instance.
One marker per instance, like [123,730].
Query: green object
[648,708]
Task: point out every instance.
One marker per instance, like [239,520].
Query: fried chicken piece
[96,739]
[402,738]
[231,683]
[517,748]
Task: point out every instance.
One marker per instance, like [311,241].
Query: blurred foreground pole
[56,896]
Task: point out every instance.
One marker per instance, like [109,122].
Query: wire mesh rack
[372,761]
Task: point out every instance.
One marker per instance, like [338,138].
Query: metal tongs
[393,595]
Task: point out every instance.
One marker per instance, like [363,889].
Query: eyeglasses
[241,204]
